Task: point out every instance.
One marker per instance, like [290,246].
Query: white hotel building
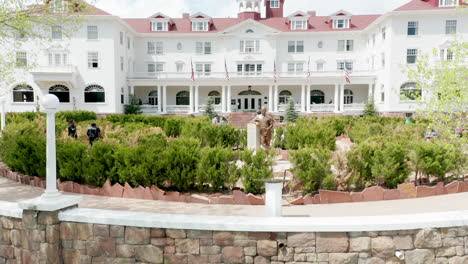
[110,57]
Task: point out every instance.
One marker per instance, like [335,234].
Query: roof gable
[341,13]
[160,15]
[200,15]
[248,24]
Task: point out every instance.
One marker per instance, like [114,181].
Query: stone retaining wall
[41,238]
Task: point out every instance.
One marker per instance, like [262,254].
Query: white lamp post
[2,113]
[52,199]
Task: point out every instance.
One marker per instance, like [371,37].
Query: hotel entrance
[249,101]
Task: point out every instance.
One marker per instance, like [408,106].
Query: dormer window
[445,3]
[160,22]
[341,20]
[298,25]
[200,22]
[200,26]
[159,26]
[341,23]
[299,21]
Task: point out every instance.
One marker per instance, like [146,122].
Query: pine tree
[209,110]
[291,114]
[133,108]
[370,109]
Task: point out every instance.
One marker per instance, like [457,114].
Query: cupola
[249,9]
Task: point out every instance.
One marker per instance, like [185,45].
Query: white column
[342,87]
[370,93]
[223,99]
[337,98]
[132,90]
[276,98]
[191,92]
[164,110]
[2,113]
[51,105]
[159,99]
[271,100]
[197,106]
[308,98]
[229,95]
[303,98]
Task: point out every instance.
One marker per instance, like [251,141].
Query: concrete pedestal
[253,137]
[50,203]
[273,198]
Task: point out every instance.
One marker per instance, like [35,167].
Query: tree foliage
[133,108]
[291,114]
[209,109]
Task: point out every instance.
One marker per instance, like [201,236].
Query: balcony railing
[322,108]
[239,75]
[175,109]
[283,107]
[217,108]
[55,69]
[354,107]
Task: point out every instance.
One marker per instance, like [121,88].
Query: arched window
[23,93]
[95,94]
[250,92]
[317,97]
[183,98]
[283,96]
[216,96]
[153,98]
[61,91]
[348,96]
[410,92]
[249,31]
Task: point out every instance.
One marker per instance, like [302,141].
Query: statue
[265,122]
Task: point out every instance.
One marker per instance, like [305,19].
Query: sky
[228,8]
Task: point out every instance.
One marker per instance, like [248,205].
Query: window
[153,98]
[92,33]
[409,92]
[180,66]
[340,65]
[57,32]
[200,26]
[320,66]
[317,97]
[411,56]
[159,48]
[216,96]
[203,68]
[183,98]
[128,42]
[151,49]
[450,27]
[121,63]
[249,69]
[250,46]
[382,93]
[295,67]
[23,93]
[179,46]
[373,40]
[345,45]
[320,44]
[382,56]
[122,96]
[384,33]
[159,26]
[21,59]
[348,96]
[284,96]
[274,3]
[248,31]
[446,54]
[413,28]
[58,59]
[93,60]
[296,46]
[121,38]
[298,25]
[156,67]
[443,3]
[95,94]
[341,23]
[61,91]
[203,48]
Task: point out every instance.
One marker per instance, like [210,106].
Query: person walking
[72,129]
[94,133]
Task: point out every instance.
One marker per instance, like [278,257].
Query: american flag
[193,72]
[346,75]
[226,69]
[275,77]
[308,69]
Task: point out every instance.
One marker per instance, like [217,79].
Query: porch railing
[322,108]
[354,107]
[217,108]
[283,107]
[177,109]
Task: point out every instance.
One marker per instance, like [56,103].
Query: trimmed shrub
[99,163]
[436,159]
[388,164]
[217,168]
[172,127]
[70,156]
[78,116]
[309,133]
[360,162]
[278,140]
[256,167]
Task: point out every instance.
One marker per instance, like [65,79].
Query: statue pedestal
[253,137]
[274,198]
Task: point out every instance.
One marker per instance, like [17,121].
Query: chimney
[312,13]
[185,15]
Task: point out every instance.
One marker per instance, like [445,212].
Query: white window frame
[90,30]
[159,26]
[57,32]
[384,33]
[447,3]
[249,69]
[344,22]
[295,67]
[340,64]
[411,53]
[299,24]
[274,3]
[415,25]
[345,45]
[383,61]
[203,47]
[203,68]
[451,26]
[154,67]
[58,59]
[151,49]
[180,66]
[200,26]
[297,46]
[253,47]
[159,47]
[446,54]
[320,66]
[121,63]
[21,56]
[93,57]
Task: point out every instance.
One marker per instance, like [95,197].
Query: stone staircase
[240,120]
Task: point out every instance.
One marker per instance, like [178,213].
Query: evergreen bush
[78,116]
[70,157]
[256,167]
[291,114]
[370,109]
[209,109]
[133,108]
[217,168]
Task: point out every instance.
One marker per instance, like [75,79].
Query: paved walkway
[15,192]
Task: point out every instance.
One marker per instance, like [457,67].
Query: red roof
[316,24]
[421,5]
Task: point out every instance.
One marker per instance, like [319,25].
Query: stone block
[7,251]
[52,234]
[117,231]
[48,218]
[195,198]
[193,259]
[84,231]
[458,260]
[128,192]
[332,242]
[245,243]
[199,234]
[425,191]
[267,248]
[240,197]
[176,233]
[452,241]
[223,238]
[327,197]
[453,187]
[445,252]
[403,242]
[428,238]
[255,200]
[308,200]
[382,247]
[29,256]
[71,256]
[393,194]
[157,193]
[357,197]
[343,258]
[360,244]
[420,256]
[301,240]
[375,193]
[187,246]
[407,190]
[50,254]
[137,235]
[30,219]
[226,199]
[101,230]
[67,231]
[304,249]
[215,258]
[125,251]
[261,260]
[259,235]
[157,233]
[441,261]
[174,197]
[149,254]
[5,237]
[232,254]
[214,250]
[298,201]
[176,259]
[7,222]
[102,247]
[37,236]
[66,186]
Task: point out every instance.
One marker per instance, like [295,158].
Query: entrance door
[249,101]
